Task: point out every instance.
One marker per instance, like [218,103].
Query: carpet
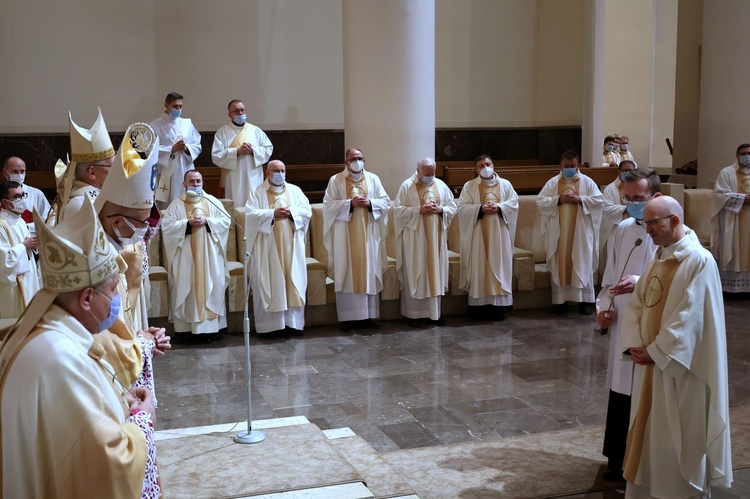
[530,466]
[291,458]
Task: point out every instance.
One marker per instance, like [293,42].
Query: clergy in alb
[626,257]
[570,204]
[179,145]
[70,427]
[674,329]
[487,213]
[19,280]
[277,216]
[730,240]
[613,210]
[240,149]
[14,168]
[355,214]
[422,213]
[195,230]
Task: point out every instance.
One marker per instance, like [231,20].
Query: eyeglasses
[627,200]
[650,223]
[144,222]
[19,196]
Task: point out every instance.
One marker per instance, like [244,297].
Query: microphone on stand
[249,436]
[637,243]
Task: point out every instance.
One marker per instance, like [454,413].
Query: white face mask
[278,178]
[17,177]
[624,147]
[19,205]
[487,173]
[198,190]
[744,160]
[428,179]
[137,236]
[356,166]
[609,147]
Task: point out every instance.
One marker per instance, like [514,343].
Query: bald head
[276,173]
[14,166]
[663,218]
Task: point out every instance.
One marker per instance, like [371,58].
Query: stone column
[592,122]
[389,84]
[724,120]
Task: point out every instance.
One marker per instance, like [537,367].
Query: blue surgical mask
[114,311]
[623,175]
[744,160]
[278,178]
[240,119]
[570,172]
[198,190]
[175,113]
[428,179]
[636,208]
[609,147]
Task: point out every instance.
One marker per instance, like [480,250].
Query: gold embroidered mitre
[76,253]
[132,179]
[90,145]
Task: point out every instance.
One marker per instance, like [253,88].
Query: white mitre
[93,144]
[132,179]
[60,169]
[75,254]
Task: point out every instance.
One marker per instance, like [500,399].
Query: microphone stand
[249,436]
[611,303]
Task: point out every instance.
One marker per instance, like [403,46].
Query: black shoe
[369,324]
[498,314]
[586,308]
[345,326]
[205,339]
[560,309]
[290,331]
[413,322]
[438,322]
[613,476]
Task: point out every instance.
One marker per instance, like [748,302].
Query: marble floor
[400,387]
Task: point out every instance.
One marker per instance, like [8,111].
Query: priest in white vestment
[629,249]
[70,426]
[487,213]
[179,145]
[19,280]
[570,204]
[195,230]
[610,158]
[91,157]
[355,214]
[276,220]
[730,217]
[674,330]
[240,149]
[613,210]
[624,151]
[14,168]
[422,212]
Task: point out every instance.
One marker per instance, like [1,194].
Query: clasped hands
[158,335]
[179,146]
[569,198]
[490,208]
[431,207]
[282,212]
[245,148]
[197,221]
[360,201]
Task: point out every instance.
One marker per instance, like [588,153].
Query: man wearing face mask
[179,145]
[422,213]
[639,187]
[277,216]
[240,149]
[14,168]
[487,211]
[70,426]
[624,151]
[18,274]
[613,209]
[355,214]
[730,217]
[195,230]
[610,158]
[570,205]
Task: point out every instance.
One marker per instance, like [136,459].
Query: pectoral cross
[164,188]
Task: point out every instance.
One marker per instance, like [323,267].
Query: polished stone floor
[400,387]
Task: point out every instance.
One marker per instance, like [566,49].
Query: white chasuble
[241,172]
[19,278]
[730,240]
[679,441]
[486,266]
[278,274]
[197,263]
[172,167]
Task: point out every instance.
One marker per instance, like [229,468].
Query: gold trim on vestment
[92,156]
[490,226]
[358,235]
[568,213]
[198,242]
[283,233]
[433,237]
[743,224]
[658,283]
